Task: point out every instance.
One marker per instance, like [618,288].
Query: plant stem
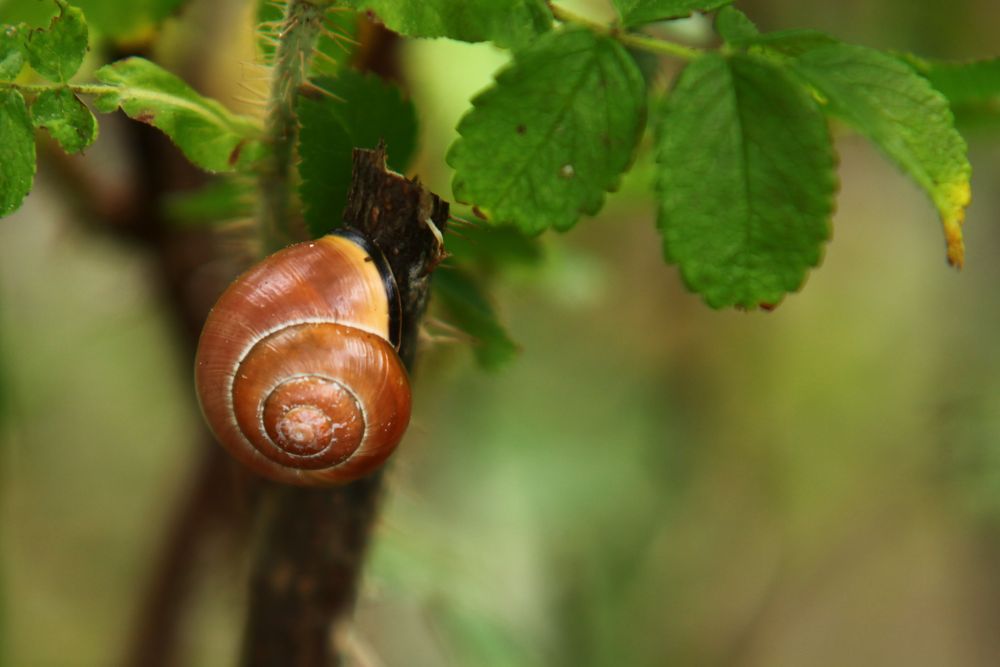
[307,571]
[637,41]
[299,30]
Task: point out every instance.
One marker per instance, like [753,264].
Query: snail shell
[297,370]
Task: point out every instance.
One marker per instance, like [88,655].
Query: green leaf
[125,21]
[11,52]
[467,308]
[745,177]
[790,43]
[638,12]
[491,246]
[210,135]
[367,111]
[17,151]
[507,23]
[57,51]
[966,82]
[66,118]
[901,113]
[972,89]
[734,26]
[540,148]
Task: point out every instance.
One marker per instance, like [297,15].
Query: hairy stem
[301,26]
[634,40]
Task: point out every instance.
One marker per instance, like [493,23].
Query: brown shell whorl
[295,371]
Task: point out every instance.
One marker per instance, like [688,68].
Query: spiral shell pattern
[295,370]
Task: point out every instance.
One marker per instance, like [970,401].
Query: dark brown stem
[214,503]
[210,507]
[205,509]
[306,576]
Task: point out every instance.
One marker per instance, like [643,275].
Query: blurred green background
[649,483]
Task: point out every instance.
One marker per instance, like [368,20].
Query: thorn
[462,221]
[343,47]
[435,231]
[291,24]
[431,338]
[442,339]
[268,69]
[451,231]
[261,104]
[310,87]
[328,58]
[339,36]
[253,91]
[264,76]
[431,321]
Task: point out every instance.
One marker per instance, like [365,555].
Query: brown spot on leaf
[234,156]
[521,129]
[146,117]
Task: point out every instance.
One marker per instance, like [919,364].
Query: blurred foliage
[464,300]
[121,21]
[648,483]
[220,201]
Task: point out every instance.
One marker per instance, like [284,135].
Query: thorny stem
[301,26]
[642,42]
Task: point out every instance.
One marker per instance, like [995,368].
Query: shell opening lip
[388,280]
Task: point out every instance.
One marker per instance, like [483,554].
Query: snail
[297,368]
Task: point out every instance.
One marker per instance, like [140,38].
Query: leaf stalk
[634,40]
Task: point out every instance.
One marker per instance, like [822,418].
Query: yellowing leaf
[905,116]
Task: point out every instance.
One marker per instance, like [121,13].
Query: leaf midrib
[575,89]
